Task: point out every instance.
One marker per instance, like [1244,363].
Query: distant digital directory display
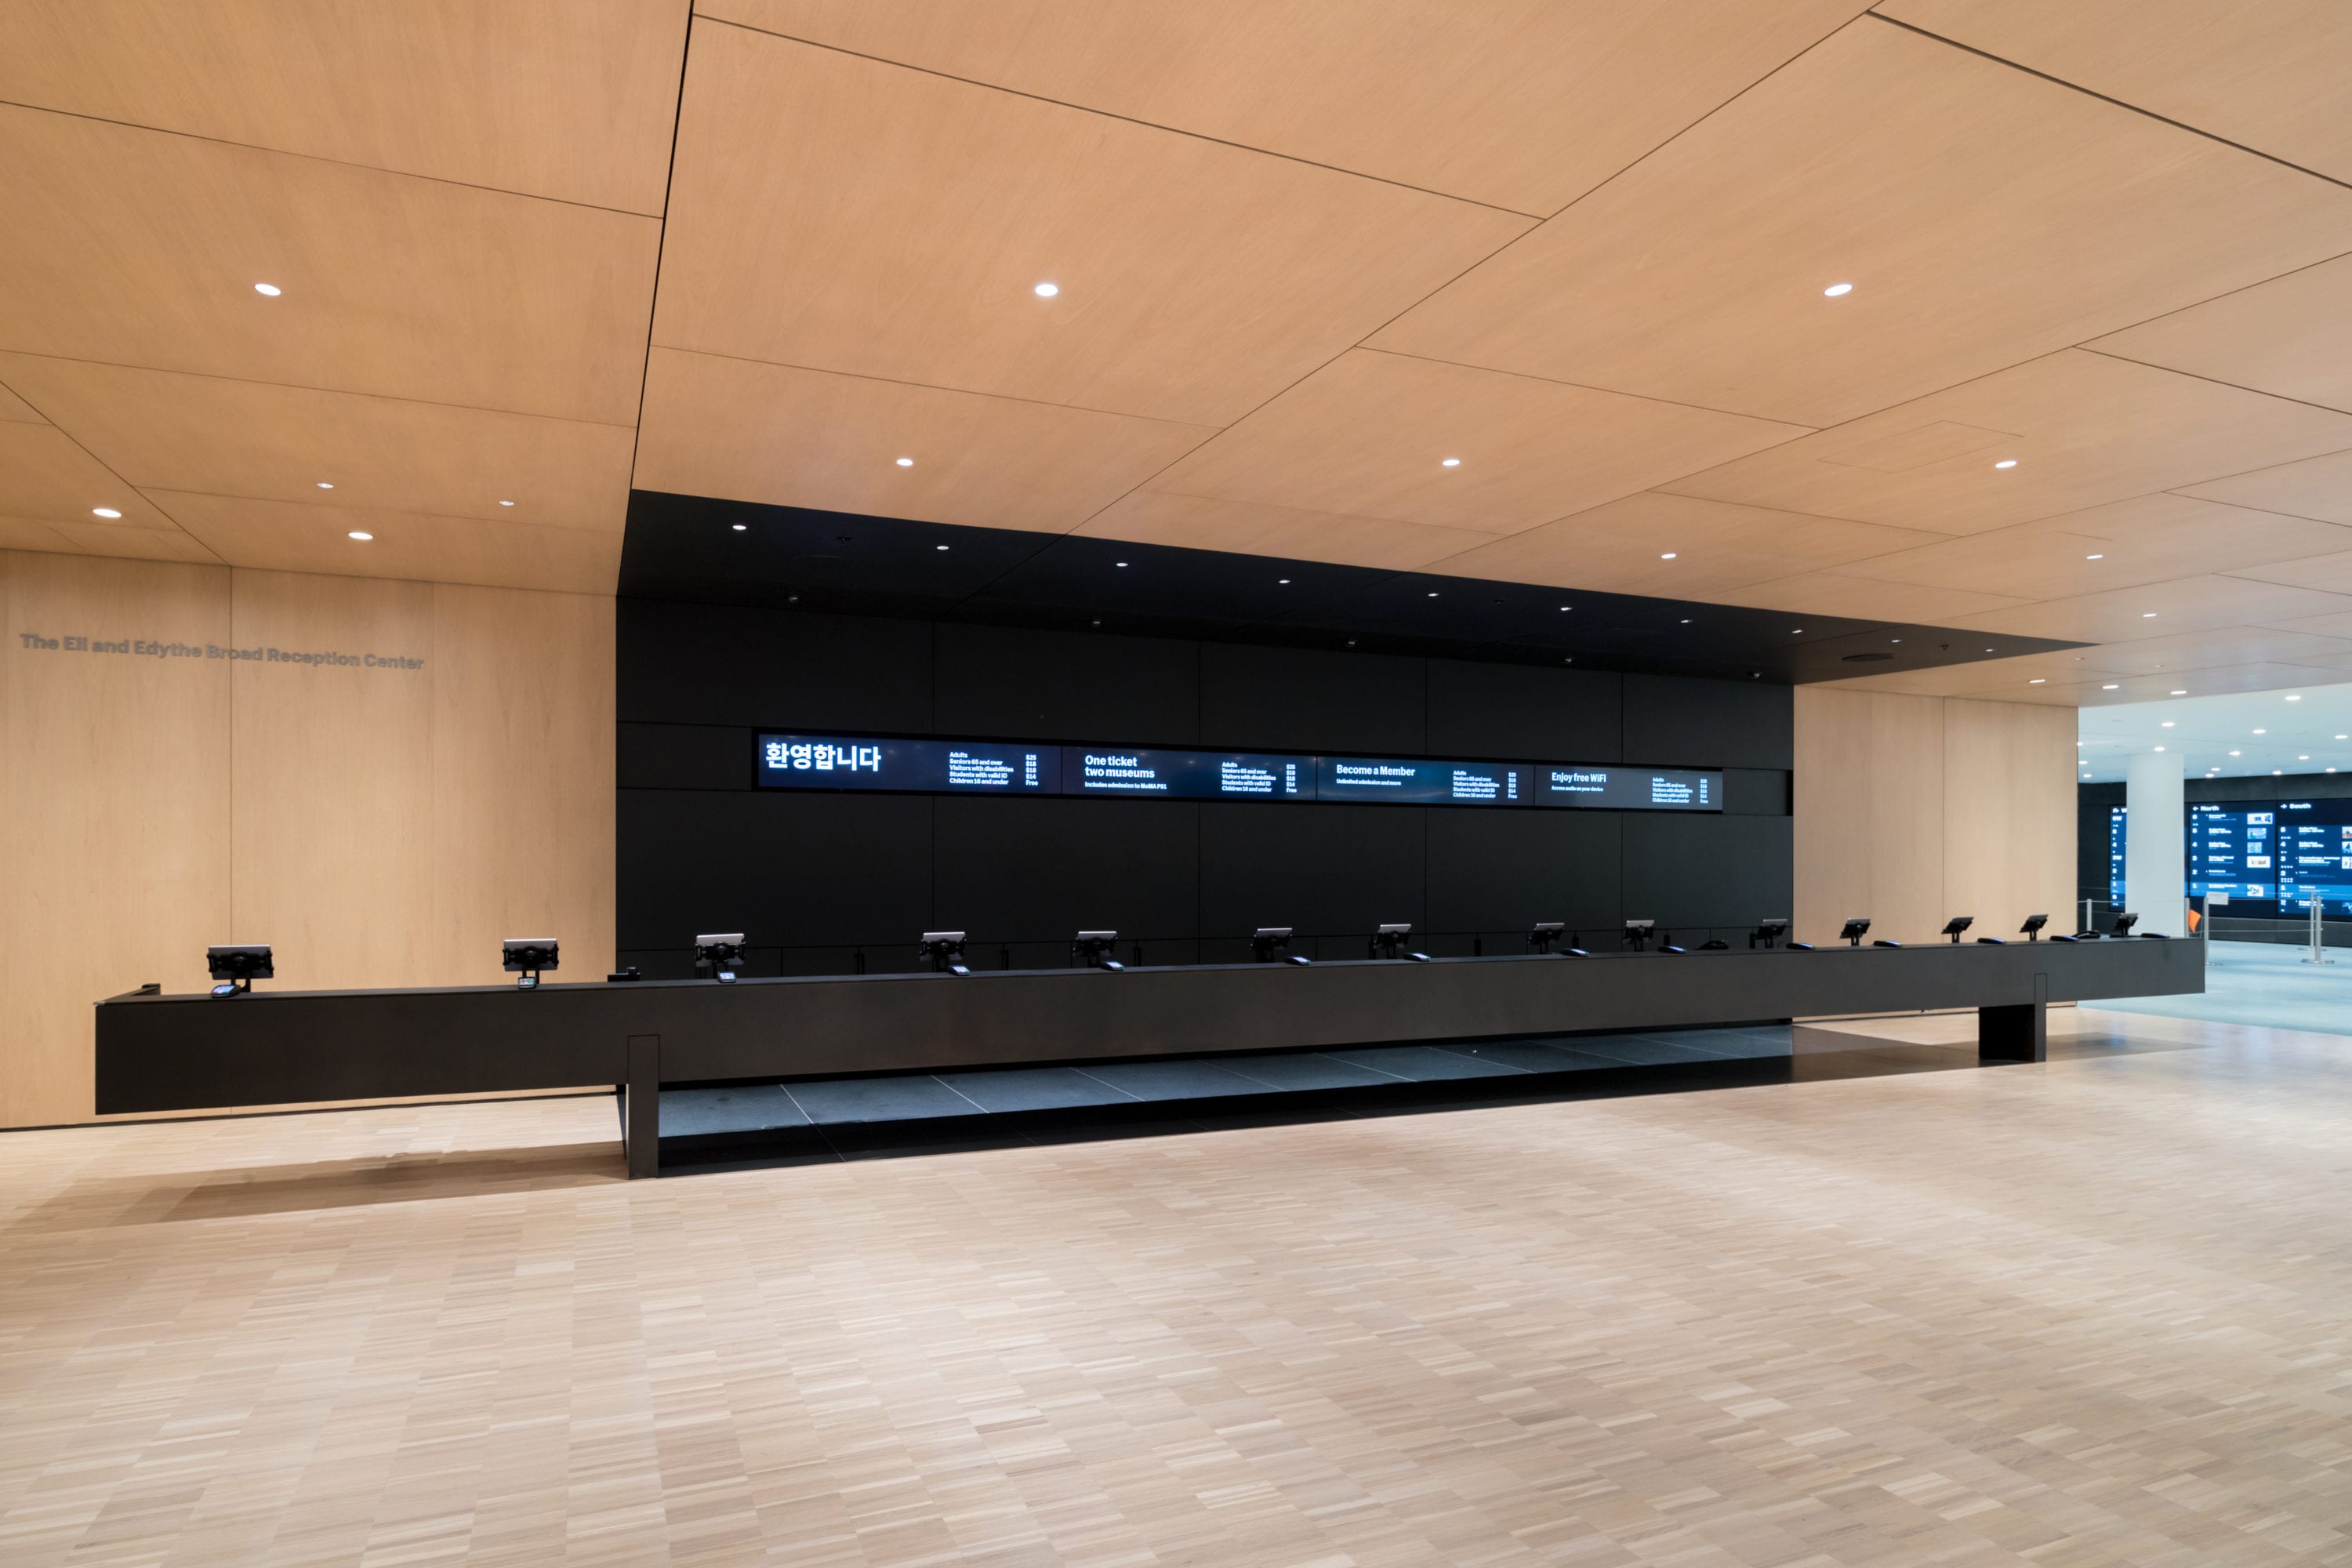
[1420,782]
[793,760]
[949,767]
[1186,775]
[1618,788]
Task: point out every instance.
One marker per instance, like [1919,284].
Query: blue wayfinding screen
[1619,788]
[953,767]
[1186,775]
[1421,782]
[797,760]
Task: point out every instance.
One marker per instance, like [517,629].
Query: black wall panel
[1280,698]
[1505,870]
[1517,711]
[1053,686]
[1688,872]
[1339,869]
[788,871]
[1709,724]
[1037,870]
[717,664]
[823,883]
[682,756]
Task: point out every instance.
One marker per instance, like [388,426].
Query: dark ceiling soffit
[687,548]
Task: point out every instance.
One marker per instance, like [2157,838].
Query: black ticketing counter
[159,1053]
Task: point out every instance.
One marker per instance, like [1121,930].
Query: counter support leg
[641,1106]
[2019,1033]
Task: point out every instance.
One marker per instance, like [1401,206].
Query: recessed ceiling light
[1449,462]
[2110,688]
[741,527]
[361,534]
[1047,290]
[942,547]
[2038,681]
[325,486]
[2237,753]
[1432,593]
[1987,650]
[269,288]
[1282,579]
[1572,606]
[2165,725]
[1837,290]
[104,511]
[2182,692]
[906,462]
[2305,758]
[1669,555]
[2148,615]
[2295,697]
[506,503]
[2159,748]
[1686,620]
[2276,772]
[2006,463]
[1118,564]
[2262,732]
[2099,557]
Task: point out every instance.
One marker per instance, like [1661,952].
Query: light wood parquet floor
[2097,1312]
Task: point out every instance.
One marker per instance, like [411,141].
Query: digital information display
[1630,789]
[952,767]
[2118,823]
[796,761]
[1421,783]
[2232,852]
[1186,775]
[2314,839]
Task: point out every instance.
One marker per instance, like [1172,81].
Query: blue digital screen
[952,767]
[2232,852]
[1421,782]
[1186,775]
[1615,787]
[810,761]
[2313,854]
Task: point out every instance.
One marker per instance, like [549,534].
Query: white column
[2156,881]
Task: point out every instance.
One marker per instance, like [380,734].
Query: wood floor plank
[2091,1312]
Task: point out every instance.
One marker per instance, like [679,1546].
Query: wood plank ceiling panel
[2314,488]
[1677,547]
[1369,434]
[2157,609]
[45,475]
[135,247]
[2269,74]
[1833,593]
[1523,104]
[2144,539]
[1982,215]
[15,410]
[2085,429]
[160,430]
[745,431]
[285,536]
[568,98]
[2291,336]
[843,214]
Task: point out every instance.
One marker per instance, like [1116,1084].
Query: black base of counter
[276,1047]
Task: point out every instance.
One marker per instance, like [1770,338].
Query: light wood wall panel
[382,826]
[523,778]
[114,807]
[2009,813]
[334,779]
[1868,797]
[1912,809]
